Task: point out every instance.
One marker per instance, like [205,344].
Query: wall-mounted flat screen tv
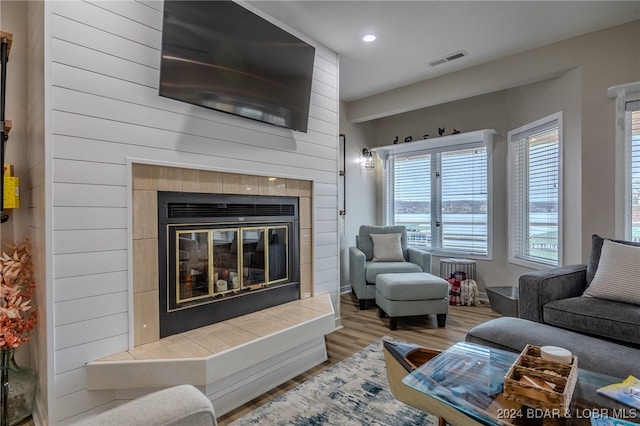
[220,55]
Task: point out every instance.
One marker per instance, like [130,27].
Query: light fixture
[370,38]
[368,159]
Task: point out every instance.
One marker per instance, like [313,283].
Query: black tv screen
[219,55]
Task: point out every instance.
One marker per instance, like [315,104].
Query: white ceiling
[414,33]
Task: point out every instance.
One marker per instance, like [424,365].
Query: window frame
[623,93]
[512,248]
[442,144]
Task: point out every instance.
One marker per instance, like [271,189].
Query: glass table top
[470,378]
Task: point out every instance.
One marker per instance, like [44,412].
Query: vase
[17,389]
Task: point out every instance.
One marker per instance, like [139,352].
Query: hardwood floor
[361,328]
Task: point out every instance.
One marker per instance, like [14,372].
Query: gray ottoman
[409,294]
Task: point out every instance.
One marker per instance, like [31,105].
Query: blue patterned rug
[352,392]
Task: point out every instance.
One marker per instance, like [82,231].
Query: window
[535,193]
[627,170]
[441,194]
[632,144]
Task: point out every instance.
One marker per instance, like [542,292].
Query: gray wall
[503,111]
[572,76]
[360,185]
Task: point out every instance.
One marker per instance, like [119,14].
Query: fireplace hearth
[222,256]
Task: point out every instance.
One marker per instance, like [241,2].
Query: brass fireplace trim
[147,180]
[211,281]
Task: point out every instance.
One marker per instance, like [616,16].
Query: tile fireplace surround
[233,361]
[147,180]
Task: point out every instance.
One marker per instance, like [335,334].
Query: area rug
[354,391]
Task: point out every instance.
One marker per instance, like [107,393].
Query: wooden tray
[555,382]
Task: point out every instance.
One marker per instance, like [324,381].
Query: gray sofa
[363,270]
[554,297]
[605,334]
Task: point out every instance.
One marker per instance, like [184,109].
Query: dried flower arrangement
[17,316]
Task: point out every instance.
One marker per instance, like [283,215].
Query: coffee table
[463,386]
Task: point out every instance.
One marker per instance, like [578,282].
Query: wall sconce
[368,159]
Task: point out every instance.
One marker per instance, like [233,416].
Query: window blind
[442,199]
[532,132]
[632,105]
[464,200]
[633,148]
[535,174]
[411,198]
[440,190]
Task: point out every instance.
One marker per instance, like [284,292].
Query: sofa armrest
[420,257]
[182,405]
[357,264]
[541,287]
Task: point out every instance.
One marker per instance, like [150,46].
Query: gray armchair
[363,270]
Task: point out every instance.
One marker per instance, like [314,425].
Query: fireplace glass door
[221,262]
[193,260]
[221,256]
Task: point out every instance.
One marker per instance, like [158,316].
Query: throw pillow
[387,248]
[596,249]
[618,274]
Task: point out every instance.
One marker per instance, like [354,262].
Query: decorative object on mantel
[395,141]
[17,321]
[455,132]
[408,139]
[441,131]
[477,137]
[221,285]
[425,136]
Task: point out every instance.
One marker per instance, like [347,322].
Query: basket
[541,384]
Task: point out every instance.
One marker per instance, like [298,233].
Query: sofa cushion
[365,243]
[596,249]
[375,268]
[387,248]
[599,317]
[618,274]
[593,354]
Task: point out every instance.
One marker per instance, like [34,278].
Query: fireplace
[224,255]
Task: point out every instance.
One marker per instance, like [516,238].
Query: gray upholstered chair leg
[393,323]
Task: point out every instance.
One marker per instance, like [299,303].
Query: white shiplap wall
[103,69]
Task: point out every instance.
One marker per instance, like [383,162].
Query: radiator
[451,265]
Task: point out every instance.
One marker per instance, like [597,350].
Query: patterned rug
[352,392]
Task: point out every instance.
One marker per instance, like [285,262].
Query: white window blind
[534,152]
[411,201]
[632,116]
[442,198]
[464,200]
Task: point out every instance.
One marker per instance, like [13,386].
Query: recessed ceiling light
[371,37]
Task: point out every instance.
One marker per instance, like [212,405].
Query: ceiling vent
[449,58]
